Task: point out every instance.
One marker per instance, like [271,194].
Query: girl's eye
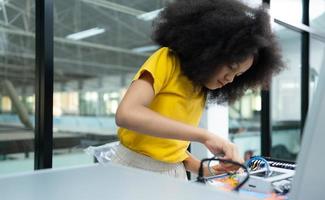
[233,66]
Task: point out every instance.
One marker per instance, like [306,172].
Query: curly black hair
[207,34]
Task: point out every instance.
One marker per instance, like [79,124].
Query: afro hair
[207,34]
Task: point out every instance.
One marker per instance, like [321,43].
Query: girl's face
[226,74]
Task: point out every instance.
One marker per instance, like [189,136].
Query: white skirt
[127,157]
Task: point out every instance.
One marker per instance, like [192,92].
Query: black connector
[202,179]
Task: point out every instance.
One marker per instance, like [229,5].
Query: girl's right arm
[133,113]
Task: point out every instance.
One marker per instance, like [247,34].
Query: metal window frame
[266,124]
[305,37]
[43,84]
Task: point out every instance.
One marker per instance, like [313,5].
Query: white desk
[104,183]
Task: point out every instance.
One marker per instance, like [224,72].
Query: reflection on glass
[17,94]
[94,60]
[286,98]
[317,15]
[244,124]
[317,61]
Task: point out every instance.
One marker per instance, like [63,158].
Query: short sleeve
[161,66]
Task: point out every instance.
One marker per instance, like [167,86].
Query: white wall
[214,119]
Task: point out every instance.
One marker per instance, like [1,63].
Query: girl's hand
[218,145]
[217,169]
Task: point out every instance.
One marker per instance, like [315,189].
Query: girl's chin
[213,87]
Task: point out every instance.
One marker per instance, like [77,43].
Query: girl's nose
[229,78]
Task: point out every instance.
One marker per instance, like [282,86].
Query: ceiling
[108,54]
[111,53]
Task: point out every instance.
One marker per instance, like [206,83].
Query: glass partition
[317,61]
[17,82]
[245,124]
[98,47]
[286,98]
[317,15]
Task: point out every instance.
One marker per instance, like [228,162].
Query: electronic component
[266,175]
[276,180]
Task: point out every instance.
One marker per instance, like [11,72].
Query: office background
[92,48]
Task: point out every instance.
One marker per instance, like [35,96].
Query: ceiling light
[85,34]
[149,15]
[145,48]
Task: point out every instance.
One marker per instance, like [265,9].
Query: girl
[211,50]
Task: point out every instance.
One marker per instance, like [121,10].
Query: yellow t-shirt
[175,98]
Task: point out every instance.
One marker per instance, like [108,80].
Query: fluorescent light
[149,15]
[3,2]
[145,48]
[115,6]
[86,33]
[252,3]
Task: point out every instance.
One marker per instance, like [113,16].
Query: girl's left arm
[191,163]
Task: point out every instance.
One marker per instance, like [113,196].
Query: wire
[202,179]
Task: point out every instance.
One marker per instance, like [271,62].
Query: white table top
[104,182]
